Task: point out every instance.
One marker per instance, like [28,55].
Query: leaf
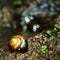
[57,25]
[44,49]
[58,33]
[49,32]
[17,2]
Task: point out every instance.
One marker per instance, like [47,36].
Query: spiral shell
[17,42]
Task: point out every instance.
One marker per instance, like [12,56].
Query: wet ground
[34,47]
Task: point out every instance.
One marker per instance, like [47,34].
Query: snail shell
[17,42]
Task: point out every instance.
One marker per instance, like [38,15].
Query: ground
[34,47]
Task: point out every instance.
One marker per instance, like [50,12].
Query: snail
[17,42]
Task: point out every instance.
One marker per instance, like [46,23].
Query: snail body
[17,43]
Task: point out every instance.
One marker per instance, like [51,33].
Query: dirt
[34,47]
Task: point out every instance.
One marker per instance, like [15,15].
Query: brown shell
[16,42]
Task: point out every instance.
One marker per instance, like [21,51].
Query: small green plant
[57,25]
[55,31]
[58,33]
[49,32]
[17,3]
[44,49]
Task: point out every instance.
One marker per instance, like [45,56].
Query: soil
[34,47]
